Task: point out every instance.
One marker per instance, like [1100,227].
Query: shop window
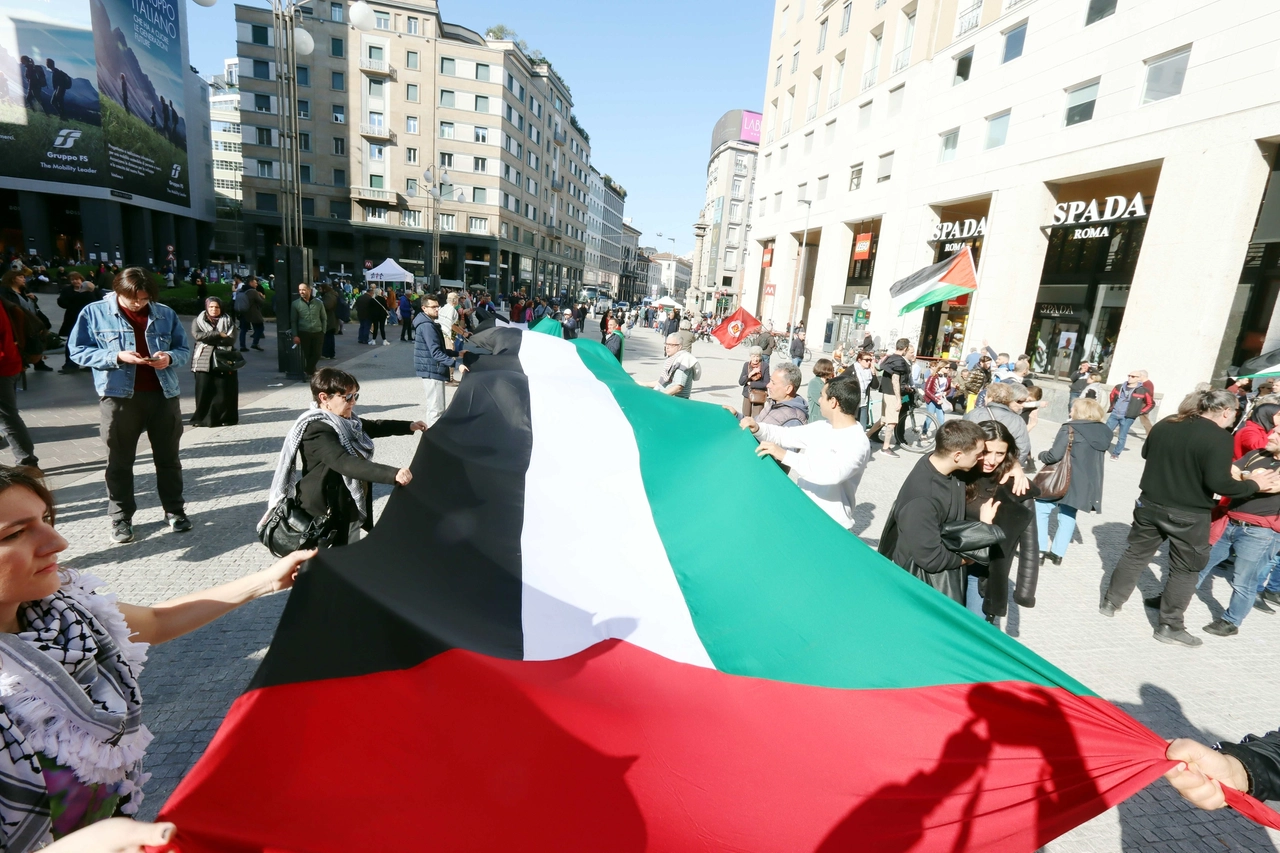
[1165,76]
[964,65]
[1080,103]
[950,140]
[1014,40]
[997,130]
[1099,9]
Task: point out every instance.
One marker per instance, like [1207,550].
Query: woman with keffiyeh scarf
[71,733]
[337,470]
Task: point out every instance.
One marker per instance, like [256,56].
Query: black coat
[760,384]
[72,302]
[1016,518]
[1088,461]
[926,501]
[1261,757]
[325,462]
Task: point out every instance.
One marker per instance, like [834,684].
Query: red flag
[734,328]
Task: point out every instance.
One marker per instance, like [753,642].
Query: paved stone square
[1220,691]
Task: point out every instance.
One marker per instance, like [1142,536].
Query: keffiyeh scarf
[68,692]
[680,361]
[353,438]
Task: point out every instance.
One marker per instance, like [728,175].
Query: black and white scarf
[69,692]
[680,361]
[353,438]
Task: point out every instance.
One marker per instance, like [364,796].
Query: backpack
[241,301]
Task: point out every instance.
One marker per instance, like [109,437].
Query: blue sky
[632,67]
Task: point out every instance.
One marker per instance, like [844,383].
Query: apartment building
[673,274]
[410,105]
[633,278]
[229,245]
[725,219]
[1106,162]
[605,206]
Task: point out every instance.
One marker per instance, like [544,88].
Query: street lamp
[672,292]
[799,277]
[433,195]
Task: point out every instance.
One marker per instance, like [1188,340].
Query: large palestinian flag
[947,279]
[597,622]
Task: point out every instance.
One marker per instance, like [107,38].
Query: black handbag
[291,528]
[226,361]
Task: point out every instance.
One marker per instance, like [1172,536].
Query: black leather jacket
[1261,758]
[1018,521]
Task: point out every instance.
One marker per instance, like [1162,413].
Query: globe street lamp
[433,195]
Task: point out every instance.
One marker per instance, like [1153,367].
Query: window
[895,100]
[784,20]
[411,186]
[304,141]
[1099,9]
[482,134]
[411,218]
[448,98]
[482,104]
[808,146]
[304,75]
[375,182]
[795,58]
[335,12]
[339,113]
[308,206]
[411,156]
[482,72]
[375,120]
[777,201]
[375,214]
[886,168]
[1080,103]
[446,130]
[340,146]
[845,16]
[267,202]
[410,124]
[735,211]
[855,177]
[304,108]
[997,130]
[1014,40]
[336,47]
[262,103]
[448,222]
[304,173]
[375,90]
[266,169]
[262,135]
[822,35]
[411,25]
[411,92]
[950,140]
[446,160]
[226,127]
[448,66]
[375,52]
[822,193]
[777,73]
[964,64]
[382,20]
[411,60]
[337,81]
[259,34]
[1165,76]
[864,116]
[479,164]
[376,151]
[261,69]
[478,224]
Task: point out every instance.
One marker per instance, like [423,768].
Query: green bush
[184,300]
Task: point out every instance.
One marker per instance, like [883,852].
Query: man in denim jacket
[135,346]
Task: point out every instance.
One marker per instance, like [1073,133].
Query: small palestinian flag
[530,654]
[944,280]
[734,328]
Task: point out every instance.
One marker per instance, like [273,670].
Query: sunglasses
[350,398]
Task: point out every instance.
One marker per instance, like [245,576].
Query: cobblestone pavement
[1216,692]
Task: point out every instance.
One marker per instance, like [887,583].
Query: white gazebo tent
[389,270]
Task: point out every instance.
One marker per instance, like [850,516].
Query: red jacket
[10,356]
[1251,436]
[1140,402]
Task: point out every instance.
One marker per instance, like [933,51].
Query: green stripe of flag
[933,297]
[776,588]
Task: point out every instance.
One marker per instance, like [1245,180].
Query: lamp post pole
[799,277]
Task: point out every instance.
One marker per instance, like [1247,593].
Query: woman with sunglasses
[336,448]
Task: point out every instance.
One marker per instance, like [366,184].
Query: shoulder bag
[1054,479]
[290,528]
[225,361]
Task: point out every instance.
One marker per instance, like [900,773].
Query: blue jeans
[363,336]
[796,359]
[1124,424]
[1255,548]
[973,598]
[935,414]
[1066,526]
[1269,580]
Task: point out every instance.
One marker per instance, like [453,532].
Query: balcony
[869,79]
[811,113]
[969,18]
[374,194]
[560,137]
[880,3]
[377,131]
[377,68]
[557,185]
[902,59]
[740,168]
[768,137]
[833,100]
[786,127]
[1009,4]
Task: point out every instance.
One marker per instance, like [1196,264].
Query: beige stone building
[379,107]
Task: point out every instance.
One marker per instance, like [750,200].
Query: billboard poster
[91,93]
[750,130]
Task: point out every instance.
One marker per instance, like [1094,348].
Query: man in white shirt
[836,450]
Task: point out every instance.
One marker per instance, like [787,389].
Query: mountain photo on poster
[50,118]
[139,53]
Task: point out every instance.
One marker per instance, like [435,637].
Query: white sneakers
[386,343]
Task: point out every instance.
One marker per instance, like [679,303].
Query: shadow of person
[1156,817]
[1112,538]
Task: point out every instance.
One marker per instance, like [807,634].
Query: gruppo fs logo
[177,170]
[66,138]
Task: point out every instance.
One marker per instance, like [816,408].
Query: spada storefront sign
[1112,209]
[964,230]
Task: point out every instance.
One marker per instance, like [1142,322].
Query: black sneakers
[1260,604]
[178,521]
[1177,637]
[121,531]
[1220,628]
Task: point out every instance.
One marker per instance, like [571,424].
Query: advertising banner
[91,93]
[862,247]
[750,130]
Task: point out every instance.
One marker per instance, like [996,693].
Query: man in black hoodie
[1188,461]
[895,380]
